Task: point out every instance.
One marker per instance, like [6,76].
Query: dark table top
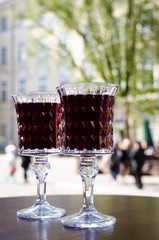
[137,218]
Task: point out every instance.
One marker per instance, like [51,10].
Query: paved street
[64,179]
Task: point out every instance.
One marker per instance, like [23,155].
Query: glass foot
[41,211]
[88,219]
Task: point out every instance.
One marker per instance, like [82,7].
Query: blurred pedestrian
[115,161]
[26,160]
[125,159]
[156,151]
[11,156]
[148,150]
[137,161]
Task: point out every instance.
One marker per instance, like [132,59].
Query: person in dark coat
[125,158]
[26,160]
[137,162]
[115,161]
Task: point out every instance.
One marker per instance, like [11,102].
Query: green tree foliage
[120,43]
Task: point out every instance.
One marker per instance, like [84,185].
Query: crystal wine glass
[88,131]
[37,116]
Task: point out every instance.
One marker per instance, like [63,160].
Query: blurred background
[44,44]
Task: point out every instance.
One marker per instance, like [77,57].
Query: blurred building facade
[19,71]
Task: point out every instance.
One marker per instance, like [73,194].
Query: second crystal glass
[88,131]
[37,119]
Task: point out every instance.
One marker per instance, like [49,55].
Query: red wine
[36,125]
[58,126]
[88,121]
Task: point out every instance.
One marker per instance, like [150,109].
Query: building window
[4,130]
[3,55]
[64,75]
[42,49]
[21,54]
[3,92]
[21,85]
[3,24]
[42,81]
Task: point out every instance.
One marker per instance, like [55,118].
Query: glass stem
[88,170]
[41,168]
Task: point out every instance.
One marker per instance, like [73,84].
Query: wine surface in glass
[88,121]
[36,125]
